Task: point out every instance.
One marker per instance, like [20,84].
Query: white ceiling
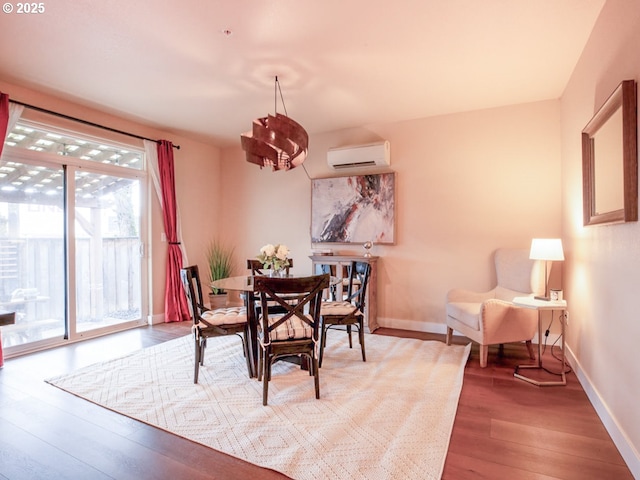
[340,63]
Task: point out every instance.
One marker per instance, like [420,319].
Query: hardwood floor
[504,429]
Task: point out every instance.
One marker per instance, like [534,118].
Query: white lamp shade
[546,249]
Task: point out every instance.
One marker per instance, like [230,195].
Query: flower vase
[277,272]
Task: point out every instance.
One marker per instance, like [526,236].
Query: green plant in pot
[220,263]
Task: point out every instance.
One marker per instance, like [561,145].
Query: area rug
[387,418]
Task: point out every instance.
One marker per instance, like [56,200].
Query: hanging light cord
[277,90]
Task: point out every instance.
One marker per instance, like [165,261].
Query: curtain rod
[85,122]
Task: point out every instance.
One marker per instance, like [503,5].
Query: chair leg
[361,335]
[316,375]
[242,337]
[203,346]
[265,380]
[196,368]
[309,359]
[532,355]
[245,349]
[484,353]
[449,334]
[323,341]
[349,333]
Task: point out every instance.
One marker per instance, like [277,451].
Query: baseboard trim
[412,325]
[432,327]
[155,319]
[628,452]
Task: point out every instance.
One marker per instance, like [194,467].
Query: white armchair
[490,318]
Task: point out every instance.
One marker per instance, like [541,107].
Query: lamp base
[546,299]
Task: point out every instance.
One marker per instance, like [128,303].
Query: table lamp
[548,250]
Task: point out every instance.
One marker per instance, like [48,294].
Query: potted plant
[220,264]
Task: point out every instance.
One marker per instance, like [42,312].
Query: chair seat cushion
[337,308]
[292,329]
[225,316]
[465,312]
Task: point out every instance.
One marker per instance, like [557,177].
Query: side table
[541,306]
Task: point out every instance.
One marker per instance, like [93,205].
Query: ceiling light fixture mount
[276,141]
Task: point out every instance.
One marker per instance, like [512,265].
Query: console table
[339,262]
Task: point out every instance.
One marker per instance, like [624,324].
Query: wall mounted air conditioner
[368,155]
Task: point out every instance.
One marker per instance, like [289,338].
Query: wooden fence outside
[108,290]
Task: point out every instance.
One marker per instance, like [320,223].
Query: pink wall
[466,185]
[602,270]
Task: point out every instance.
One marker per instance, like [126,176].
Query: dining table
[244,285]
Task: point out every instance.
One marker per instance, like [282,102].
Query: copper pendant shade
[276,141]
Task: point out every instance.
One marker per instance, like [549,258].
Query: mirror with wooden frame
[610,160]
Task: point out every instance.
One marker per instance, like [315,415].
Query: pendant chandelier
[276,141]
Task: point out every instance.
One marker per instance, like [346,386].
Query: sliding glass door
[107,250]
[32,252]
[72,262]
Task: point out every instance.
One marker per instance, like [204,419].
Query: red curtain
[175,300]
[4,118]
[4,121]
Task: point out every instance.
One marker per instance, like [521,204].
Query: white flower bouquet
[275,257]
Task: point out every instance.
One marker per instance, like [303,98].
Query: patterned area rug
[388,418]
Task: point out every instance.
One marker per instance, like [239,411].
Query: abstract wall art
[353,209]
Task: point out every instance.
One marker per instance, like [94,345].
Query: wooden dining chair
[293,332]
[340,271]
[256,268]
[212,323]
[348,312]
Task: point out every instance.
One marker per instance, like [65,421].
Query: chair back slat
[358,280]
[190,277]
[300,297]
